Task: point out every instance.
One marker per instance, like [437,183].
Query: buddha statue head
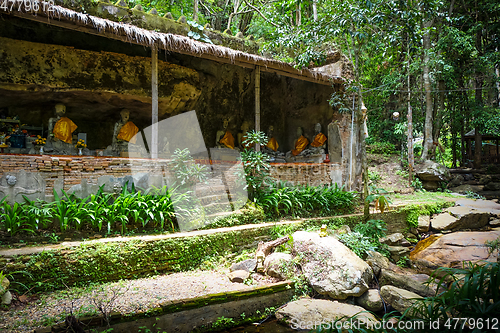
[317,128]
[300,131]
[125,115]
[60,109]
[225,123]
[245,127]
[270,131]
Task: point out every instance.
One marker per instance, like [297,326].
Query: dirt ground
[386,172]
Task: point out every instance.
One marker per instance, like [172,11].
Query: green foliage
[374,176]
[280,200]
[223,322]
[384,148]
[365,238]
[473,195]
[187,172]
[377,195]
[416,183]
[358,243]
[196,32]
[310,56]
[413,211]
[255,164]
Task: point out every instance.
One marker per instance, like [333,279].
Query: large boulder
[451,250]
[4,285]
[309,314]
[330,267]
[431,173]
[278,265]
[238,276]
[399,299]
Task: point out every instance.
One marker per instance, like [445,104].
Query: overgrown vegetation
[280,200]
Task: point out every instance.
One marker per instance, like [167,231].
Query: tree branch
[262,15]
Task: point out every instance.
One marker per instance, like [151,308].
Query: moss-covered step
[198,313]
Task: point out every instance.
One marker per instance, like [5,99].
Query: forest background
[435,60]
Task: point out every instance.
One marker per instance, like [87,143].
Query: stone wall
[85,173]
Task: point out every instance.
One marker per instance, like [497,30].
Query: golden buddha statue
[224,138]
[319,143]
[242,136]
[60,127]
[124,132]
[301,142]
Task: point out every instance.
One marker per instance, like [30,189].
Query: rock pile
[351,286]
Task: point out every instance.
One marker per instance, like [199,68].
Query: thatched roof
[73,20]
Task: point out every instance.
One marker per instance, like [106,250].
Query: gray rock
[443,221]
[424,222]
[466,188]
[397,252]
[239,276]
[393,239]
[492,186]
[408,282]
[495,223]
[6,298]
[330,267]
[278,265]
[371,301]
[245,265]
[377,262]
[399,299]
[305,313]
[4,285]
[432,171]
[459,218]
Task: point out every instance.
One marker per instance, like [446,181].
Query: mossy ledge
[284,291]
[135,257]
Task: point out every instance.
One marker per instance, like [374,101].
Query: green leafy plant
[255,164]
[377,195]
[196,32]
[417,184]
[474,195]
[187,172]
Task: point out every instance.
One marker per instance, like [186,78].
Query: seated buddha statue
[318,145]
[224,138]
[61,128]
[242,136]
[300,144]
[124,133]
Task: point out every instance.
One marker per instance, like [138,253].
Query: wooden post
[154,102]
[257,103]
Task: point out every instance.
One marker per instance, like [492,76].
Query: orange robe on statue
[227,140]
[273,144]
[319,140]
[63,130]
[300,145]
[128,132]
[246,146]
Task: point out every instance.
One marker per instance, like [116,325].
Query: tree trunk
[195,11]
[298,15]
[428,140]
[479,103]
[315,10]
[411,159]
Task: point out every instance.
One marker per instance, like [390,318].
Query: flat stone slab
[486,206]
[451,250]
[443,221]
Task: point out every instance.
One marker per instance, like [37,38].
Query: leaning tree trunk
[478,142]
[265,249]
